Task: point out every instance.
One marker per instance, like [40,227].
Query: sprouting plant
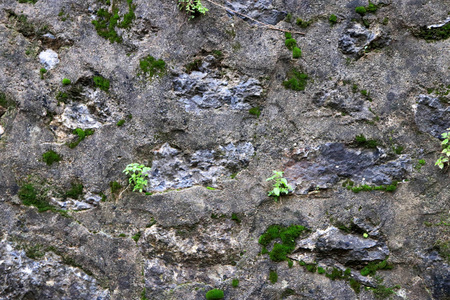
[280,187]
[192,7]
[445,154]
[42,71]
[137,175]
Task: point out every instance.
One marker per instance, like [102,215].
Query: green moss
[217,54]
[193,66]
[82,134]
[106,23]
[383,292]
[273,277]
[66,81]
[214,294]
[355,285]
[120,122]
[75,191]
[361,10]
[296,52]
[385,21]
[364,92]
[372,267]
[288,18]
[42,71]
[302,23]
[336,274]
[122,235]
[296,80]
[51,157]
[28,1]
[321,270]
[372,8]
[288,35]
[287,235]
[235,283]
[435,33]
[62,97]
[290,43]
[101,83]
[290,264]
[151,67]
[5,101]
[311,267]
[30,196]
[115,187]
[256,111]
[398,150]
[333,19]
[287,292]
[34,252]
[210,188]
[235,218]
[129,16]
[361,141]
[443,249]
[136,237]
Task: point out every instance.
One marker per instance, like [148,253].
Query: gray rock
[172,169]
[77,115]
[261,10]
[49,59]
[45,278]
[432,116]
[348,249]
[356,39]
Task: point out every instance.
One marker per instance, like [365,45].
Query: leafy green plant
[280,187]
[137,175]
[101,83]
[296,52]
[235,283]
[445,154]
[66,81]
[333,19]
[214,294]
[151,66]
[192,7]
[51,157]
[273,277]
[296,80]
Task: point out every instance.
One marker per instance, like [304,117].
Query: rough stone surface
[49,58]
[207,204]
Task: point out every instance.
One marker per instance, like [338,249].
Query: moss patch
[101,82]
[82,134]
[51,157]
[435,33]
[151,66]
[214,294]
[287,235]
[296,80]
[31,196]
[273,277]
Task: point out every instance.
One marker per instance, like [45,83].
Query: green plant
[273,277]
[372,7]
[361,141]
[296,52]
[434,33]
[5,102]
[120,122]
[445,154]
[321,270]
[214,294]
[361,10]
[398,150]
[290,43]
[420,164]
[288,18]
[372,267]
[296,80]
[101,83]
[62,97]
[235,218]
[302,23]
[137,175]
[151,67]
[30,196]
[129,16]
[217,54]
[333,19]
[28,1]
[256,111]
[193,66]
[290,263]
[235,283]
[42,71]
[122,235]
[287,235]
[75,191]
[137,236]
[34,252]
[82,134]
[355,285]
[66,81]
[115,187]
[51,157]
[288,35]
[192,7]
[280,187]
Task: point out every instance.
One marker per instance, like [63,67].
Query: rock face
[202,103]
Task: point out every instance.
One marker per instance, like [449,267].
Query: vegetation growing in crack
[280,186]
[434,33]
[445,154]
[332,19]
[5,101]
[51,157]
[273,276]
[82,134]
[101,82]
[192,7]
[296,80]
[287,235]
[349,185]
[256,111]
[151,66]
[31,195]
[138,174]
[362,141]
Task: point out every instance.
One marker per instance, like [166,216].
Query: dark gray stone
[432,116]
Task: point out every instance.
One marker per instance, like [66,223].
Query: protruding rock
[49,59]
[431,116]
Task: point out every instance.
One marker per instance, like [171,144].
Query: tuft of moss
[214,294]
[256,111]
[273,277]
[30,196]
[434,33]
[373,267]
[290,263]
[333,19]
[120,122]
[34,252]
[151,66]
[361,141]
[287,235]
[82,134]
[361,10]
[235,283]
[296,80]
[51,157]
[302,23]
[290,43]
[235,218]
[288,18]
[101,83]
[296,52]
[115,187]
[193,66]
[372,8]
[137,236]
[62,97]
[288,35]
[321,270]
[42,71]
[311,267]
[28,1]
[66,81]
[129,16]
[75,191]
[217,54]
[355,285]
